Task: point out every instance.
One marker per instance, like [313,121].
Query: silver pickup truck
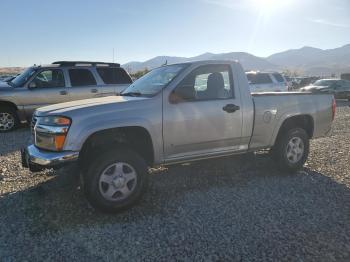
[174,114]
[59,82]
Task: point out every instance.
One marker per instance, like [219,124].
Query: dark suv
[58,82]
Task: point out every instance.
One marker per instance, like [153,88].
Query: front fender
[79,133]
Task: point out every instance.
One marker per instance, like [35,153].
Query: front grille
[32,125]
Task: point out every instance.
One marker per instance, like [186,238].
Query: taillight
[334,107]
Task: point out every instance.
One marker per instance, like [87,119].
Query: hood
[87,105]
[4,86]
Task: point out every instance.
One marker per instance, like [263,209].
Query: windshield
[22,78]
[153,82]
[323,82]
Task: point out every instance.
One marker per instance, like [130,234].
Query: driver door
[202,116]
[46,88]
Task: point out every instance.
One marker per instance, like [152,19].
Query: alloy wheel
[295,150]
[7,121]
[117,181]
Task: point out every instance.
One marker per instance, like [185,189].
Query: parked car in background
[299,82]
[266,82]
[174,114]
[58,82]
[340,88]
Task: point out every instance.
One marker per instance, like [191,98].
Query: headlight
[50,132]
[54,121]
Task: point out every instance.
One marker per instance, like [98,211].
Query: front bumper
[36,159]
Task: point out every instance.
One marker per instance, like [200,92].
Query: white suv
[266,82]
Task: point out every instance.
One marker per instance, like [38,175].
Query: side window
[251,78]
[278,77]
[336,85]
[209,82]
[347,85]
[339,85]
[81,77]
[259,78]
[344,85]
[48,78]
[263,79]
[114,75]
[122,77]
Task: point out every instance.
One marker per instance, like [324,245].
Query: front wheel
[292,149]
[8,119]
[115,180]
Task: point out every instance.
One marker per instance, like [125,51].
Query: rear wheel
[292,149]
[8,119]
[115,180]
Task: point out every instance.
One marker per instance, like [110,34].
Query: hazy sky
[35,31]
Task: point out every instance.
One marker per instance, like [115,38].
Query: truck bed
[272,108]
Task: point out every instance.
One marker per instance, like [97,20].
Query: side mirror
[32,85]
[174,98]
[181,94]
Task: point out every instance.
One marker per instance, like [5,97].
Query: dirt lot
[236,208]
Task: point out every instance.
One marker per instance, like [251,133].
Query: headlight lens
[51,132]
[54,121]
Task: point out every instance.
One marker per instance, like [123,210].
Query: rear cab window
[113,75]
[81,77]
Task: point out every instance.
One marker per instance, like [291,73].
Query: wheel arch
[135,137]
[8,104]
[17,114]
[304,121]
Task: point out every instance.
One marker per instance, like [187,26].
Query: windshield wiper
[131,94]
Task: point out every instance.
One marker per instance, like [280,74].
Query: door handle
[94,90]
[230,108]
[63,93]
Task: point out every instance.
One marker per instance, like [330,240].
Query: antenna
[113,55]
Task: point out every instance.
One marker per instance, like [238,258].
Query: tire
[291,150]
[8,119]
[115,180]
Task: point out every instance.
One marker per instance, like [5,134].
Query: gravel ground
[237,208]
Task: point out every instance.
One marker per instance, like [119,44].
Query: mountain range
[305,61]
